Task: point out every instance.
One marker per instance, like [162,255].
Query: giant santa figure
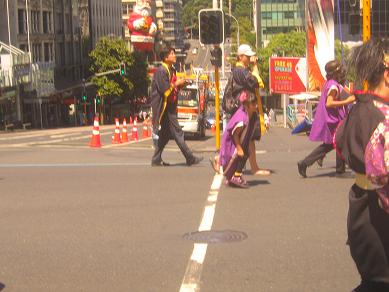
[141,26]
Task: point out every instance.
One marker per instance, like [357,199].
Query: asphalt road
[73,218]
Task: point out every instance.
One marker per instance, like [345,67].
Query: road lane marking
[126,143]
[191,280]
[66,135]
[26,165]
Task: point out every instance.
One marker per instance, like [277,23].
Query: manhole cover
[214,236]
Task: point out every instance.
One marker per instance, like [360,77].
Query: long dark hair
[368,62]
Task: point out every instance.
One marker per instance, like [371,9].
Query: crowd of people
[354,124]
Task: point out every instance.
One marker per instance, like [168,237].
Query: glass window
[22,21]
[187,97]
[289,14]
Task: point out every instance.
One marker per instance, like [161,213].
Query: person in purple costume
[330,111]
[234,149]
[362,139]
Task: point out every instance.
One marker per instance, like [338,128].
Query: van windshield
[187,97]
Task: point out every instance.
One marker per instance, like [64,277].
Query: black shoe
[194,160]
[302,168]
[160,163]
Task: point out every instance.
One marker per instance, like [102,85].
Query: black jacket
[161,90]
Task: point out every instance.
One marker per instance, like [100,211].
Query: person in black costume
[363,141]
[164,87]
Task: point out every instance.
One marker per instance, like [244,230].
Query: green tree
[292,44]
[190,13]
[242,9]
[343,58]
[108,55]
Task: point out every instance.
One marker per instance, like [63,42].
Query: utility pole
[366,33]
[366,9]
[257,24]
[215,52]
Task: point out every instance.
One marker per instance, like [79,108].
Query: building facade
[349,28]
[280,16]
[105,19]
[169,22]
[380,18]
[57,36]
[26,29]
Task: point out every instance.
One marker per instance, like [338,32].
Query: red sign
[287,75]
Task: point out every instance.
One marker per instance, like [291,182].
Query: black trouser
[368,238]
[319,152]
[170,128]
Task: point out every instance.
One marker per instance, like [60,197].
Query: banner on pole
[320,40]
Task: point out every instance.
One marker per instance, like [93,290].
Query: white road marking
[191,281]
[126,143]
[199,251]
[67,135]
[25,165]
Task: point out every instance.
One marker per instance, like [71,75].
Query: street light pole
[9,37]
[237,24]
[257,20]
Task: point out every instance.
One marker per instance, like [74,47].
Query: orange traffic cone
[213,128]
[116,138]
[95,141]
[134,136]
[130,120]
[124,131]
[149,124]
[145,130]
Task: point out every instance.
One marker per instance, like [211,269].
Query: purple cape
[228,147]
[326,119]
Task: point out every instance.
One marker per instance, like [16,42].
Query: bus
[191,108]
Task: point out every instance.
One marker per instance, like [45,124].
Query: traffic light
[84,97]
[211,26]
[216,57]
[98,99]
[122,69]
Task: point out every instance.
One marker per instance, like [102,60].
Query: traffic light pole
[222,46]
[217,108]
